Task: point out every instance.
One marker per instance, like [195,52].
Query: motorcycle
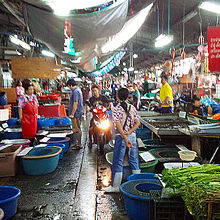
[102,132]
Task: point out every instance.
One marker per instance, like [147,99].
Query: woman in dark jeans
[126,120]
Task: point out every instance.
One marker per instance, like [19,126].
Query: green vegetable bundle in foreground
[197,185]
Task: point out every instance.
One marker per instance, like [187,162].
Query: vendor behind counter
[208,105]
[28,110]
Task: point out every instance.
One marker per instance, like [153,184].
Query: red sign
[214,48]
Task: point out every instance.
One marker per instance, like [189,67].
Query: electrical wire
[168,25]
[184,9]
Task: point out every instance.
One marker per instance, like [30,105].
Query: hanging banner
[113,63]
[214,48]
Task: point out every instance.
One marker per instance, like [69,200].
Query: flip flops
[76,147]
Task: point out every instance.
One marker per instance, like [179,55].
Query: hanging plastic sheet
[76,38]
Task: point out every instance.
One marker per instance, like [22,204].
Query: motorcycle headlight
[104,124]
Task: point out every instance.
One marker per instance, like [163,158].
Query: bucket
[9,200]
[137,200]
[41,160]
[145,176]
[3,99]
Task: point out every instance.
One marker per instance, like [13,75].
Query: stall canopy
[80,38]
[75,38]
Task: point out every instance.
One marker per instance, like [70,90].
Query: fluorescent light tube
[163,40]
[127,32]
[210,6]
[19,42]
[47,53]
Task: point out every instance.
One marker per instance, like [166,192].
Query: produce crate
[167,209]
[213,211]
[8,160]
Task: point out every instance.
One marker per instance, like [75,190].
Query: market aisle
[63,193]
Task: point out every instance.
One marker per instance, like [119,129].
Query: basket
[166,209]
[187,155]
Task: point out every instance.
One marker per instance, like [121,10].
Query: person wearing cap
[76,110]
[166,96]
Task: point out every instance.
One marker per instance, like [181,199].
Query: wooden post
[209,211]
[196,145]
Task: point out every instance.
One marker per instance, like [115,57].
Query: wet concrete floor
[72,191]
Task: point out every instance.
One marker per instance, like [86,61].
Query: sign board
[35,67]
[214,48]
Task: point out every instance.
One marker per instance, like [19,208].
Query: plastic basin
[13,135]
[138,204]
[53,96]
[143,133]
[147,167]
[9,200]
[45,122]
[44,97]
[63,146]
[152,141]
[145,176]
[12,122]
[63,121]
[1,214]
[59,141]
[41,160]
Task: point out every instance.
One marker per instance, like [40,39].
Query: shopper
[126,121]
[166,95]
[136,97]
[19,90]
[28,110]
[76,110]
[209,106]
[37,89]
[114,89]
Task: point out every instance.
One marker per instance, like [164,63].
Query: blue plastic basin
[63,146]
[45,122]
[138,204]
[13,135]
[63,121]
[145,176]
[143,133]
[12,121]
[9,200]
[55,141]
[41,160]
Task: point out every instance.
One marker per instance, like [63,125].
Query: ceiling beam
[13,12]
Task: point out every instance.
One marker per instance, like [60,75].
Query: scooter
[102,132]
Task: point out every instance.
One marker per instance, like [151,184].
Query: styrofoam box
[4,114]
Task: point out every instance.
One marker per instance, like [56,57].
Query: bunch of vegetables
[197,185]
